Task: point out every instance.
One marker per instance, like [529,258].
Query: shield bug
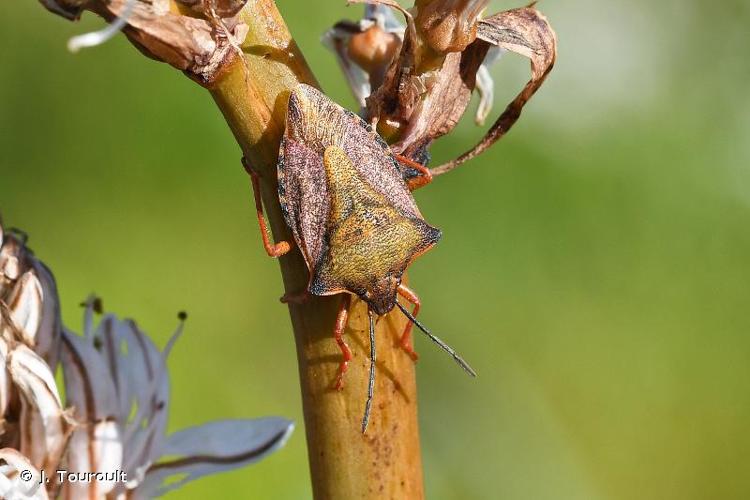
[347,200]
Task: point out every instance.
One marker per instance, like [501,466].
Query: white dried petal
[10,262]
[213,447]
[15,487]
[25,305]
[10,267]
[43,421]
[147,388]
[99,37]
[95,447]
[5,384]
[384,18]
[97,444]
[117,368]
[485,86]
[47,342]
[88,385]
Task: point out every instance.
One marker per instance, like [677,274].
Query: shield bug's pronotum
[344,196]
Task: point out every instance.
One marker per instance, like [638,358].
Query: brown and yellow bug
[344,196]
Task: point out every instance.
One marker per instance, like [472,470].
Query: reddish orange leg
[338,332]
[273,250]
[406,344]
[419,181]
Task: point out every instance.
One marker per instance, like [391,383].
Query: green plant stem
[344,464]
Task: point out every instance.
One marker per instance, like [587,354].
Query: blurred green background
[595,265]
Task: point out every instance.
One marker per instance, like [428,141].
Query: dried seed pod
[526,32]
[448,25]
[351,213]
[365,49]
[33,419]
[373,48]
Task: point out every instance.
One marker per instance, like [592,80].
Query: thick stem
[344,464]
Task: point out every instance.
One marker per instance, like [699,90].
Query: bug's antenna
[371,385]
[468,369]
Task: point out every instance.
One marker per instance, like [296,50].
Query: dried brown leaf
[198,43]
[439,110]
[524,31]
[393,102]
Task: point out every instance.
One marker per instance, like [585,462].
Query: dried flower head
[117,397]
[443,57]
[365,49]
[28,296]
[15,473]
[33,424]
[196,36]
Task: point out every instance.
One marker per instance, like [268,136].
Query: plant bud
[448,25]
[374,48]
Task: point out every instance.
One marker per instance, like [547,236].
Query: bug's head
[378,291]
[381,294]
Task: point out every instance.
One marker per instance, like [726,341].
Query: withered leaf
[440,109]
[524,31]
[414,107]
